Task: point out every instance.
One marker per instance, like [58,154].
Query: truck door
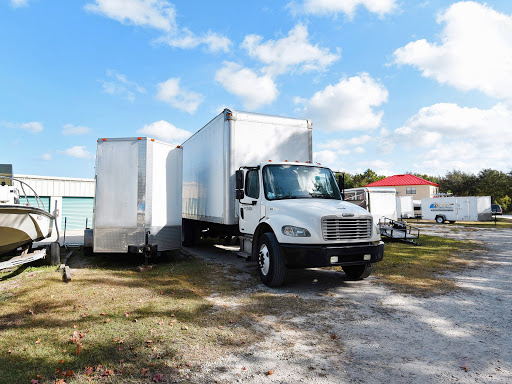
[249,214]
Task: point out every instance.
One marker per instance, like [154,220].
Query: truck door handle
[242,213]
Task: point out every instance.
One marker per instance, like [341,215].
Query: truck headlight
[290,230]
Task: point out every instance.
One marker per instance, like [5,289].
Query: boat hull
[22,225]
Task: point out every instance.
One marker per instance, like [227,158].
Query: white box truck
[452,209]
[379,201]
[251,175]
[137,206]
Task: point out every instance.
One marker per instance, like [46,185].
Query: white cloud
[187,40]
[19,3]
[170,92]
[291,52]
[447,136]
[327,157]
[158,14]
[475,51]
[32,127]
[347,105]
[346,144]
[118,84]
[78,152]
[47,156]
[165,131]
[70,129]
[255,91]
[328,7]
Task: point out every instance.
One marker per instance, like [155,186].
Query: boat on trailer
[22,223]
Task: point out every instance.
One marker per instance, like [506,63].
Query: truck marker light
[104,139]
[367,257]
[139,138]
[179,146]
[334,259]
[286,161]
[152,139]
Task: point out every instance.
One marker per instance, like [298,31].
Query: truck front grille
[346,229]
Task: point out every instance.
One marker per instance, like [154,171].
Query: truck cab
[292,215]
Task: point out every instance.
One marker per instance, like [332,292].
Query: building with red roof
[409,185]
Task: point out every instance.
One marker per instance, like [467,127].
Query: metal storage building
[73,198]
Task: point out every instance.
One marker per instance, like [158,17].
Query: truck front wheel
[440,219]
[358,272]
[271,267]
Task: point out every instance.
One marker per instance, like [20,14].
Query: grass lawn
[419,269]
[500,223]
[115,324]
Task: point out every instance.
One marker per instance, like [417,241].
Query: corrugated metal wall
[58,186]
[76,210]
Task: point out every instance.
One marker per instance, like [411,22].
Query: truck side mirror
[239,179]
[240,194]
[341,185]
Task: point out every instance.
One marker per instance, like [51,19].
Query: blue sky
[391,85]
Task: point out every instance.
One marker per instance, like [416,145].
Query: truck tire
[54,253]
[439,219]
[358,272]
[271,267]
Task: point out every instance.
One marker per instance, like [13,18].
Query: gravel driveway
[365,333]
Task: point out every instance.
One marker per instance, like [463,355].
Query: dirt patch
[363,332]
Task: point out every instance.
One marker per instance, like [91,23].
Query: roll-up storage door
[33,203]
[76,211]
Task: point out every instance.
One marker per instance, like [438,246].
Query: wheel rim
[264,260]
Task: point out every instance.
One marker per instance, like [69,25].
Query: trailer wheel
[54,253]
[439,219]
[358,272]
[271,267]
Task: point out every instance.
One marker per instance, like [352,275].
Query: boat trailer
[51,254]
[399,230]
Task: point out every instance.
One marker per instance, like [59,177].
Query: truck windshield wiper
[322,195]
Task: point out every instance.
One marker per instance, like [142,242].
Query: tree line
[487,182]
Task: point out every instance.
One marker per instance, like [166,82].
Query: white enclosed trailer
[137,206]
[405,207]
[467,208]
[251,175]
[379,201]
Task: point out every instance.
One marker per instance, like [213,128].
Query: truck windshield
[299,182]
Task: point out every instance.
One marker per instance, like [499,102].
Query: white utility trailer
[452,209]
[251,175]
[384,206]
[379,201]
[405,207]
[137,207]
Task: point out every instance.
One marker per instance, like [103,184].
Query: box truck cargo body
[467,208]
[379,201]
[137,205]
[213,154]
[251,175]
